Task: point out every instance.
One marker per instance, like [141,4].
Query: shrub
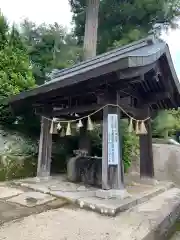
[13,168]
[130,143]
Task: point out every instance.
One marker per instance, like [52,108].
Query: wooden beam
[150,98]
[91,86]
[94,107]
[132,92]
[153,98]
[166,77]
[135,72]
[103,99]
[101,84]
[128,87]
[77,109]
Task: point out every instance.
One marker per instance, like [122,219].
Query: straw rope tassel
[59,126]
[51,127]
[90,126]
[68,130]
[142,128]
[79,124]
[130,128]
[137,127]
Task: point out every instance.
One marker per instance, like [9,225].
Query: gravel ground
[78,224]
[61,224]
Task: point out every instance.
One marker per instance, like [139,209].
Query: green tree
[121,22]
[176,114]
[3,31]
[15,72]
[164,124]
[49,47]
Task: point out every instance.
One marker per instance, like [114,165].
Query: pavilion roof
[138,54]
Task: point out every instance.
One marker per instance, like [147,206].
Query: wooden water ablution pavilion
[133,81]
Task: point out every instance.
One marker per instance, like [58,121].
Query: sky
[173,40]
[40,11]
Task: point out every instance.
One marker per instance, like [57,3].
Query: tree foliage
[123,21]
[15,72]
[129,143]
[49,47]
[166,123]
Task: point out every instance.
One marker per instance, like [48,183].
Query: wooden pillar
[84,140]
[112,164]
[45,145]
[105,183]
[146,151]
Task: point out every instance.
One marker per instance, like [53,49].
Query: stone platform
[17,202]
[151,220]
[89,197]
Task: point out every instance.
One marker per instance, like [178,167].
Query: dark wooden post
[146,151]
[105,183]
[45,145]
[84,140]
[112,174]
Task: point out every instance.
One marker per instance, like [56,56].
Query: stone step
[152,220]
[113,206]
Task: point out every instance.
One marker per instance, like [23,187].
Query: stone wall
[16,143]
[166,163]
[17,155]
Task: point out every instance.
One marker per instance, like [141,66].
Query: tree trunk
[91,27]
[90,45]
[166,134]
